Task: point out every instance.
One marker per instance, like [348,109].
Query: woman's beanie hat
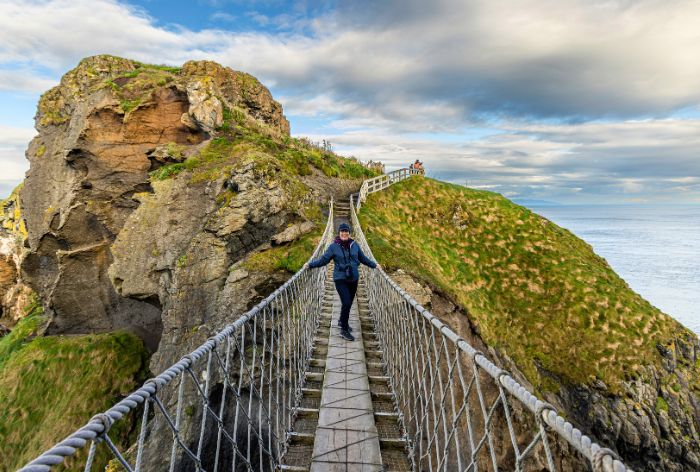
[344,227]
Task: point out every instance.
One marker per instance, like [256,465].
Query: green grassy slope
[534,290]
[51,385]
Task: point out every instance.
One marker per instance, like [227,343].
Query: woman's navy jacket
[342,259]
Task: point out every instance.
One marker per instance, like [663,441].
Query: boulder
[292,232]
[206,110]
[421,293]
[102,130]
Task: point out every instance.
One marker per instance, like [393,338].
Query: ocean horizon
[654,247]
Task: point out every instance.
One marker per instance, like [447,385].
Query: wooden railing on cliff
[375,184]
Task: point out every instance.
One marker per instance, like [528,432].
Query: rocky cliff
[101,131]
[166,201]
[549,310]
[113,137]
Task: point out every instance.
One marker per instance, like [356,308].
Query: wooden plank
[346,436]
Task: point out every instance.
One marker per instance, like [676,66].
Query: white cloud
[222,16]
[24,81]
[594,161]
[13,137]
[378,71]
[13,165]
[540,58]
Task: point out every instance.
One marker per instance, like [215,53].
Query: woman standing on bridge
[347,255]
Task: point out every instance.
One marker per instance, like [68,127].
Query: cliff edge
[161,203]
[551,311]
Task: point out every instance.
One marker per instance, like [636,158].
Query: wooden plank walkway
[346,437]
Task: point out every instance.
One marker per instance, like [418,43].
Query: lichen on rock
[206,110]
[14,294]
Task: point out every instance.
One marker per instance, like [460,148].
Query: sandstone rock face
[79,193]
[208,80]
[293,232]
[8,273]
[179,245]
[649,424]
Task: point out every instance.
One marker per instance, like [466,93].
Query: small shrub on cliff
[129,105]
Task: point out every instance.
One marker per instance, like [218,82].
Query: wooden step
[293,468]
[301,438]
[299,452]
[373,355]
[383,396]
[316,376]
[396,443]
[379,380]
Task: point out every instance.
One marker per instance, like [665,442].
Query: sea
[655,248]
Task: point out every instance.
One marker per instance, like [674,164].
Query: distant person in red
[418,165]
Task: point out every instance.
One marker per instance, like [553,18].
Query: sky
[558,100]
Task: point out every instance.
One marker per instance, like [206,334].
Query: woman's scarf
[345,244]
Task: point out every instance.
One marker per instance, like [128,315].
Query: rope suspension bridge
[278,389]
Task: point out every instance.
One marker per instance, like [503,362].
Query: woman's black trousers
[346,289]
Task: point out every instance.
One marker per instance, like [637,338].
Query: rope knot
[502,373]
[152,381]
[476,353]
[106,422]
[600,455]
[540,409]
[188,358]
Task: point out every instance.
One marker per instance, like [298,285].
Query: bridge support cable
[458,409]
[228,404]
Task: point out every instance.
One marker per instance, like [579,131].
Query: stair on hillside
[392,441]
[341,209]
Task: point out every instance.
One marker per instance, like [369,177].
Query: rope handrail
[443,434]
[283,323]
[241,389]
